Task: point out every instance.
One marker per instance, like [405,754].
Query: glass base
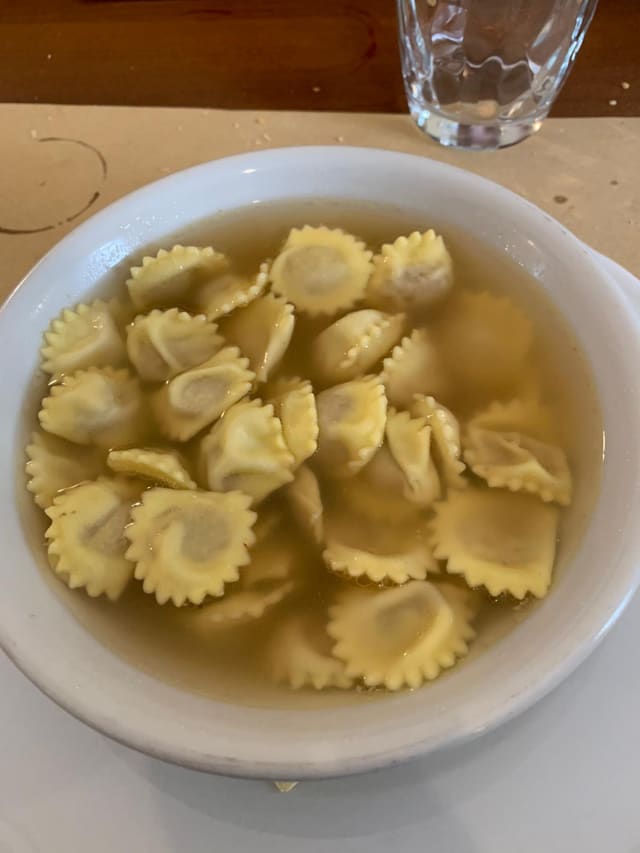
[474,137]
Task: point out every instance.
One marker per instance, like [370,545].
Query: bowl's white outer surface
[59,656]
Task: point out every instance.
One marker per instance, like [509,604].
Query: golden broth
[228,665]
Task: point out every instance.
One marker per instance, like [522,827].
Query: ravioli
[351,418]
[409,441]
[294,403]
[401,479]
[411,273]
[228,291]
[526,415]
[86,538]
[304,499]
[505,542]
[262,331]
[246,451]
[445,434]
[383,476]
[54,465]
[264,582]
[395,568]
[363,494]
[162,344]
[299,655]
[353,344]
[518,462]
[485,340]
[81,337]
[163,467]
[414,367]
[100,406]
[194,399]
[321,271]
[358,548]
[400,636]
[187,545]
[170,278]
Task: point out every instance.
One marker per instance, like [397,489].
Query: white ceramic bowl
[68,664]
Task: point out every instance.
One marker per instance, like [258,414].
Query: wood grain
[261,54]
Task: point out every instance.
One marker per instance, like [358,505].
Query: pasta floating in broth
[445,431]
[294,403]
[329,469]
[413,367]
[262,331]
[196,398]
[270,576]
[352,418]
[54,465]
[321,271]
[300,654]
[158,466]
[187,545]
[85,336]
[87,546]
[400,636]
[305,502]
[226,292]
[354,344]
[162,344]
[171,277]
[409,441]
[245,450]
[503,542]
[413,272]
[99,406]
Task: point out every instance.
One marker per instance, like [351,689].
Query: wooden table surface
[261,54]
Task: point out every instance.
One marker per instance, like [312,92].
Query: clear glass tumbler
[482,74]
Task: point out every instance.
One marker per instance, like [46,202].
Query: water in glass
[483,74]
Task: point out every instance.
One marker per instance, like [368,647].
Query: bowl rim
[119,729]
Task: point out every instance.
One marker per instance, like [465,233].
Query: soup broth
[229,662]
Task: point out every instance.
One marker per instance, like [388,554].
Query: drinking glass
[483,74]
